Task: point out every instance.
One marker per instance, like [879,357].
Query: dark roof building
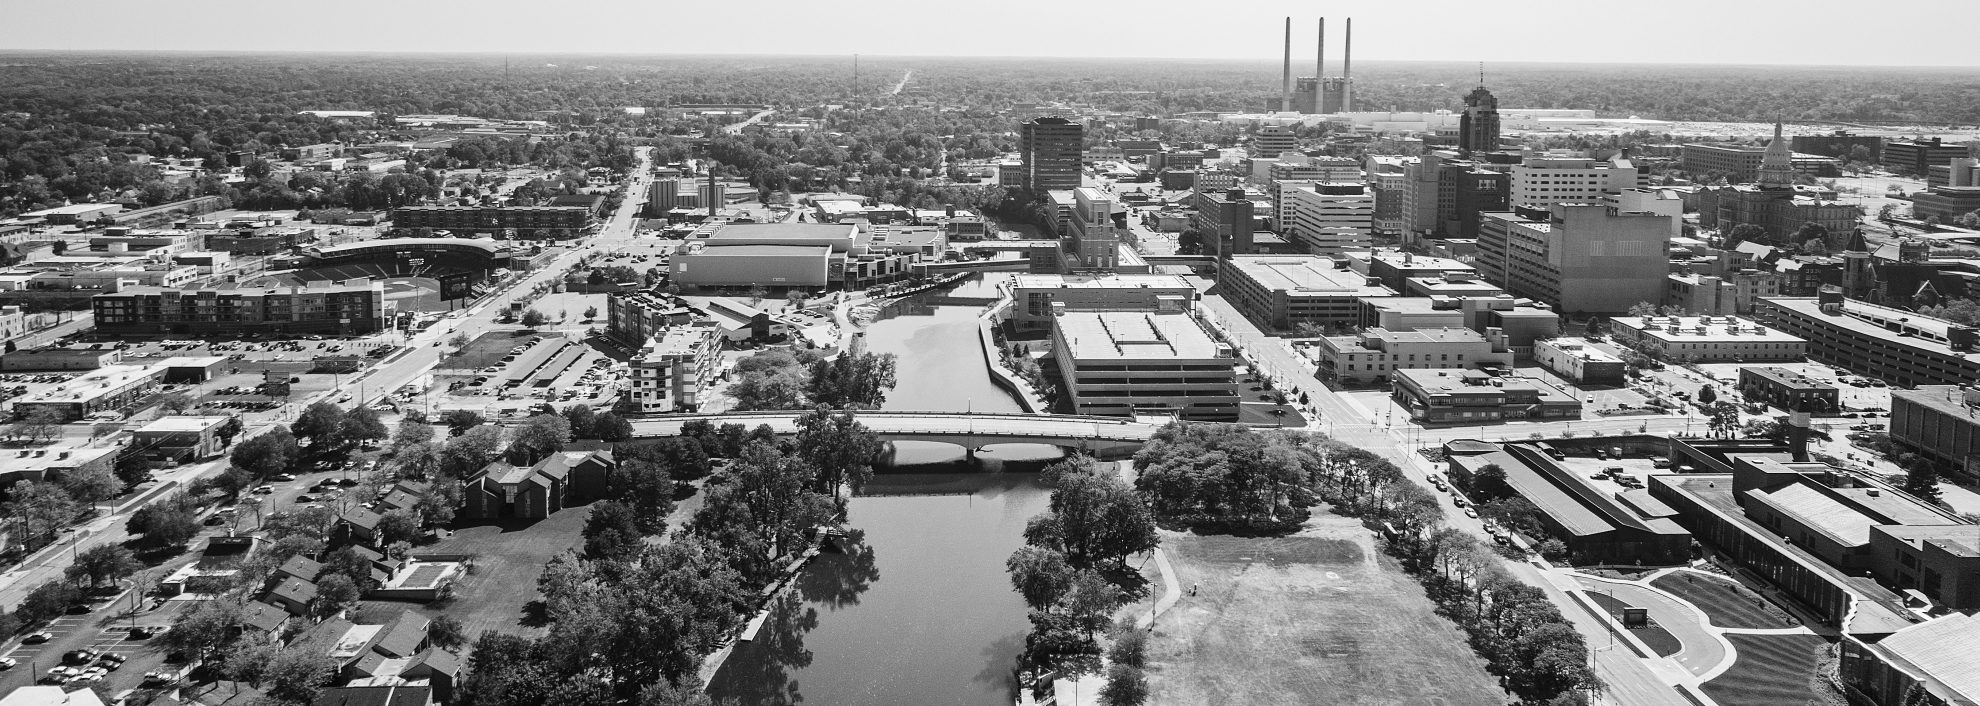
[1596,528]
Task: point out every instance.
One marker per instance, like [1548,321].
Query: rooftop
[1818,509]
[1945,399]
[1714,328]
[1305,275]
[182,424]
[1101,335]
[1921,332]
[96,383]
[1788,378]
[1108,281]
[1942,648]
[789,231]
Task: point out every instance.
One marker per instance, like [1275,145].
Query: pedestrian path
[1171,592]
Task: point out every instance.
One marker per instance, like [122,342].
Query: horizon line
[1267,61]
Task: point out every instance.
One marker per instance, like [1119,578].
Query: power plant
[1319,93]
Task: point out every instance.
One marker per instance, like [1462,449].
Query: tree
[611,427]
[459,421]
[40,508]
[1811,232]
[446,632]
[1093,516]
[47,601]
[295,675]
[1189,242]
[612,533]
[1743,232]
[319,423]
[468,453]
[1489,482]
[103,564]
[39,424]
[266,455]
[203,631]
[1040,575]
[91,484]
[1643,309]
[764,510]
[459,342]
[413,431]
[538,437]
[841,448]
[1126,686]
[359,425]
[440,501]
[591,312]
[582,419]
[167,523]
[1921,478]
[1707,395]
[334,594]
[398,526]
[1724,420]
[175,402]
[533,318]
[852,380]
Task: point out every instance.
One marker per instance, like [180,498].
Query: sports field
[1318,617]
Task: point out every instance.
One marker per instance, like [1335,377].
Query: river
[918,610]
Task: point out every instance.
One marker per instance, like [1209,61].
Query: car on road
[264,490]
[37,638]
[284,477]
[1470,512]
[7,663]
[301,499]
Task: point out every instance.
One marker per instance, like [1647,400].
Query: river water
[918,609]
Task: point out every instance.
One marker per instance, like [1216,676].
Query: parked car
[37,638]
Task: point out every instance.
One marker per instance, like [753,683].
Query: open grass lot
[1777,670]
[1654,637]
[1318,617]
[508,557]
[1727,604]
[485,350]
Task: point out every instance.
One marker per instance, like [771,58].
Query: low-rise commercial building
[1787,389]
[1371,356]
[1942,422]
[1394,269]
[1707,339]
[181,438]
[1284,291]
[109,389]
[1931,662]
[1596,528]
[37,465]
[345,308]
[1466,397]
[60,359]
[1903,348]
[1038,297]
[1523,322]
[675,366]
[1712,295]
[1135,363]
[1577,361]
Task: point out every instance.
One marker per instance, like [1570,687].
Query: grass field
[1318,617]
[1777,670]
[508,557]
[485,350]
[1656,638]
[1726,604]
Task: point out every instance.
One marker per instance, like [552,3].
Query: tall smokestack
[1320,54]
[1347,70]
[1285,77]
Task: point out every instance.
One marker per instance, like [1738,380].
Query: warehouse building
[1596,528]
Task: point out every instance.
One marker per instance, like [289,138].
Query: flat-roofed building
[1931,662]
[1542,180]
[1736,293]
[1943,423]
[1038,297]
[632,318]
[1577,257]
[109,389]
[1917,157]
[1597,528]
[1468,397]
[1284,291]
[181,438]
[1452,284]
[1707,339]
[1903,348]
[1375,353]
[1330,218]
[1135,363]
[1050,150]
[1523,322]
[1393,268]
[75,213]
[1579,362]
[696,265]
[39,464]
[1225,218]
[674,367]
[1787,389]
[61,358]
[528,222]
[346,307]
[1741,163]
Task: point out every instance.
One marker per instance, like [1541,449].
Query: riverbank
[1022,391]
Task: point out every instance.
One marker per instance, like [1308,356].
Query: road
[1631,680]
[733,129]
[903,84]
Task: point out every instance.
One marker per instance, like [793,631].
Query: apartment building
[674,367]
[345,308]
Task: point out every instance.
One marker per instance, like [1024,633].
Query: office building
[1917,157]
[1739,164]
[1226,220]
[1662,202]
[1271,140]
[1371,356]
[1139,363]
[1094,243]
[1448,194]
[114,389]
[1456,396]
[1332,218]
[1478,127]
[1597,528]
[1707,339]
[1940,422]
[674,367]
[180,439]
[1038,298]
[1051,150]
[1540,181]
[1579,362]
[1280,292]
[1523,322]
[1903,348]
[344,308]
[1946,203]
[1394,268]
[1839,144]
[1711,295]
[1391,198]
[1789,390]
[1300,167]
[1577,257]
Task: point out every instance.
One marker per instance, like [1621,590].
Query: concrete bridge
[1100,436]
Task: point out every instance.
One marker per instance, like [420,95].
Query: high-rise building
[1478,127]
[1577,257]
[674,366]
[1333,218]
[1051,150]
[1224,218]
[663,195]
[1270,140]
[1093,241]
[1543,180]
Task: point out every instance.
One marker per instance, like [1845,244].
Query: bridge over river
[1100,436]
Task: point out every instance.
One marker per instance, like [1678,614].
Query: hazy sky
[1826,32]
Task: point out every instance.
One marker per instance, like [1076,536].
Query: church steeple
[1777,166]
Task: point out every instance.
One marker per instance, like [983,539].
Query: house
[291,594]
[387,695]
[359,525]
[400,497]
[506,490]
[299,567]
[263,617]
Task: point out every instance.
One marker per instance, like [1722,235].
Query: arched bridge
[1101,436]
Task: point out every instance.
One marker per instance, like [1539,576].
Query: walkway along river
[918,609]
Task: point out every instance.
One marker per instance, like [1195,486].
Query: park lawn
[1726,603]
[1778,670]
[1318,617]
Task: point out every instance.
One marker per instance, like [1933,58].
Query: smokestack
[1347,70]
[1320,54]
[1285,77]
